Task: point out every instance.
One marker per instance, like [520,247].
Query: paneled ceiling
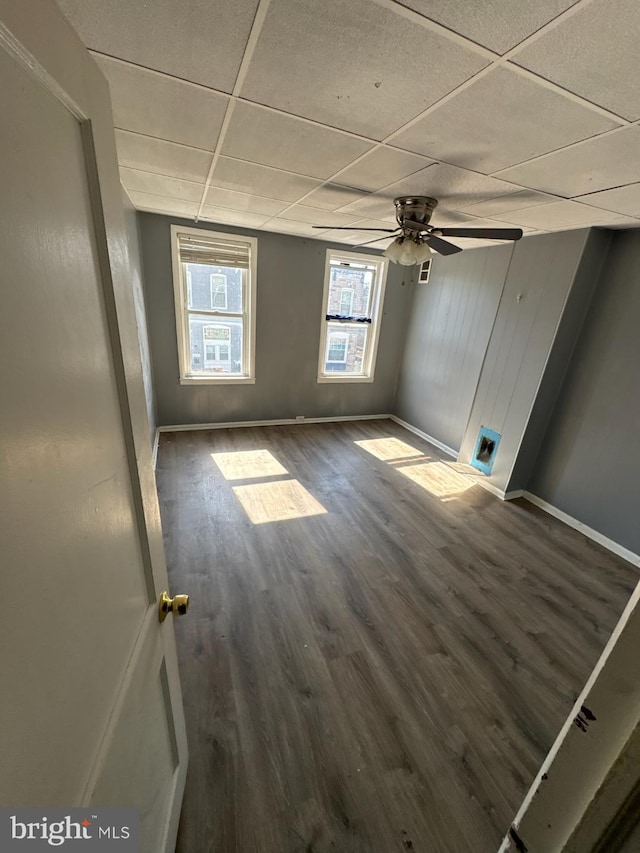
[283,114]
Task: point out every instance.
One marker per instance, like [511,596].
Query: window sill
[210,380]
[343,379]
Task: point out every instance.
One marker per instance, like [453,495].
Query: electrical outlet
[299,418]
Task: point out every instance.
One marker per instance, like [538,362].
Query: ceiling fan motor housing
[416,208]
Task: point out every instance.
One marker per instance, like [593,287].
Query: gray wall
[536,289]
[575,311]
[589,465]
[289,301]
[137,278]
[449,329]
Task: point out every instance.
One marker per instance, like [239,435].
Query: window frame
[182,310]
[376,303]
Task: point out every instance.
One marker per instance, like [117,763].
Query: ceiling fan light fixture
[406,251]
[393,250]
[423,253]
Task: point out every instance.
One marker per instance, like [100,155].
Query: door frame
[39,37]
[585,782]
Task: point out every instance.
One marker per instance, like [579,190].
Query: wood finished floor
[384,675]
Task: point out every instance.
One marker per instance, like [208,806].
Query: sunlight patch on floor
[437,478]
[388,449]
[248,464]
[278,501]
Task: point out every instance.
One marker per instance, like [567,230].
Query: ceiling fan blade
[375,240]
[482,233]
[353,228]
[412,225]
[441,246]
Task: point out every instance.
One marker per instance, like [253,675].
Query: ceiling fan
[416,238]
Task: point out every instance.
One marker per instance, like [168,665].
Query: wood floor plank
[378,653]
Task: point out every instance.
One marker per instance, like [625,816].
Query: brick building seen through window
[349,296]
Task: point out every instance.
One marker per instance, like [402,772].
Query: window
[217,347]
[337,348]
[351,310]
[215,283]
[218,285]
[346,301]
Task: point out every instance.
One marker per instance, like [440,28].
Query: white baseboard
[443,447]
[504,496]
[515,493]
[275,422]
[589,532]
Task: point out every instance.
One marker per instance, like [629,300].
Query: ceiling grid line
[573,145]
[252,41]
[498,61]
[252,158]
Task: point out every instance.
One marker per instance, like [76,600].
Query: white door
[90,705]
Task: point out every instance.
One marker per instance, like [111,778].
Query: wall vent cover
[485,451]
[425,270]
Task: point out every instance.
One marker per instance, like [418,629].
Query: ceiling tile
[160,106]
[381,167]
[485,223]
[514,201]
[344,67]
[288,226]
[597,164]
[454,188]
[158,204]
[286,142]
[560,214]
[260,180]
[357,234]
[357,238]
[313,216]
[375,206]
[624,224]
[148,182]
[621,200]
[594,54]
[165,158]
[453,217]
[373,223]
[213,213]
[497,122]
[243,201]
[333,196]
[496,24]
[202,40]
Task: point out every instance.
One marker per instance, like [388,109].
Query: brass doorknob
[178,605]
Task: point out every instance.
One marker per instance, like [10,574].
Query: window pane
[337,348]
[214,288]
[350,291]
[215,346]
[219,291]
[346,302]
[345,348]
